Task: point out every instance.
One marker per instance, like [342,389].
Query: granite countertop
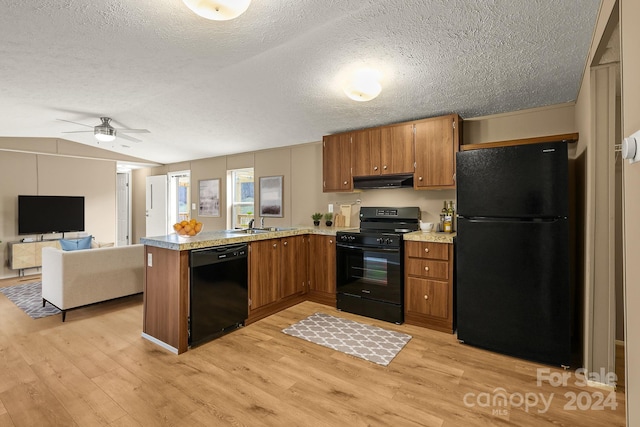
[432,236]
[208,239]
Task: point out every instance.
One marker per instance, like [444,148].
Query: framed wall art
[271,196]
[209,202]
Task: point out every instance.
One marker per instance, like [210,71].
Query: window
[241,199]
[179,197]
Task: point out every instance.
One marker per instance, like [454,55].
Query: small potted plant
[316,218]
[327,218]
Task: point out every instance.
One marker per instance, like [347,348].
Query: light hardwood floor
[95,369]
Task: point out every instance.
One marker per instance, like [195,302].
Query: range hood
[383,181]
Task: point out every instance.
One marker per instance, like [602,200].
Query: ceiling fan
[104,132]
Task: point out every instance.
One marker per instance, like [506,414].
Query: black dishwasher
[218,291]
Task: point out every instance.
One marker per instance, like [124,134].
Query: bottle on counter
[448,218]
[443,213]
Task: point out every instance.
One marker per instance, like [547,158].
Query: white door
[123,209]
[156,206]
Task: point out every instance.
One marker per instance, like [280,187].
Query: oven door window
[374,270]
[372,273]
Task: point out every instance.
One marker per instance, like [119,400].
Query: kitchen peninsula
[295,252]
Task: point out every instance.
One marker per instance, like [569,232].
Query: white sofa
[72,279]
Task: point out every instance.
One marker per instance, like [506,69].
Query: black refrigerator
[513,274]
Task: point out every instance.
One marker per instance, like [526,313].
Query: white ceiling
[270,78]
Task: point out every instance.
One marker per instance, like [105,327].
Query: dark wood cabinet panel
[166,297]
[397,149]
[428,298]
[264,272]
[428,250]
[436,142]
[365,152]
[322,269]
[429,285]
[293,265]
[336,163]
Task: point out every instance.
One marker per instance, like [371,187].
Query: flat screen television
[50,214]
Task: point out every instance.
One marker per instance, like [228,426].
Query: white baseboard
[160,343]
[601,386]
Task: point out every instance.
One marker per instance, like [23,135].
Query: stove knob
[352,238]
[343,238]
[380,240]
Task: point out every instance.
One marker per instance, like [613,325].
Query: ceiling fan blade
[133,130]
[78,131]
[127,137]
[75,123]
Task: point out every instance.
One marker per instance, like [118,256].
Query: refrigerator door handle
[477,219]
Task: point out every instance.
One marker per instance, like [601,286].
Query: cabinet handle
[425,269]
[284,243]
[275,244]
[375,168]
[330,241]
[384,167]
[426,297]
[345,183]
[420,178]
[426,250]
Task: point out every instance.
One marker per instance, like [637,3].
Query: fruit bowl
[188,228]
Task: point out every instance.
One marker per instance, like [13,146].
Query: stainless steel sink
[278,228]
[248,231]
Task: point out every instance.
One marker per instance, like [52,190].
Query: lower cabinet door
[427,297]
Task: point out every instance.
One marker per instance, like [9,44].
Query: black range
[369,263]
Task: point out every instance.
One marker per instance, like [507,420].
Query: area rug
[29,298]
[364,341]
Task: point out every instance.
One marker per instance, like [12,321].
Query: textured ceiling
[271,77]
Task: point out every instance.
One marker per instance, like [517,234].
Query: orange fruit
[192,233]
[183,223]
[177,226]
[198,227]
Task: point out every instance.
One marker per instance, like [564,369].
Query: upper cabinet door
[436,142]
[365,152]
[336,163]
[397,152]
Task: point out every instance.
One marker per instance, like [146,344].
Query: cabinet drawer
[427,297]
[427,250]
[427,268]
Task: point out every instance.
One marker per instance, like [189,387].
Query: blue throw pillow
[84,243]
[74,245]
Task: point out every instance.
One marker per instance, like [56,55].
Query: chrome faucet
[251,223]
[261,222]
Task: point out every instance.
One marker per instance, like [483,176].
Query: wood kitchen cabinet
[396,149]
[365,152]
[278,274]
[382,150]
[322,269]
[429,285]
[436,144]
[336,163]
[264,272]
[294,274]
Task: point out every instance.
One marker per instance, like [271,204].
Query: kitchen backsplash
[429,202]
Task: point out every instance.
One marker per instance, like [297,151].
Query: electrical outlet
[149,260]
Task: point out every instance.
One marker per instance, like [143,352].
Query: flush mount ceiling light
[218,10]
[363,84]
